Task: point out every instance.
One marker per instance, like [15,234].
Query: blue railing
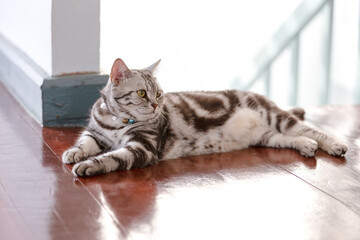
[289,36]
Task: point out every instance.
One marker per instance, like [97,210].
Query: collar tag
[128,121]
[114,118]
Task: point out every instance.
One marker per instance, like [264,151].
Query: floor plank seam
[30,124]
[88,191]
[318,188]
[26,224]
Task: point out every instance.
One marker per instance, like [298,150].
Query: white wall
[61,36]
[345,52]
[76,36]
[203,44]
[27,25]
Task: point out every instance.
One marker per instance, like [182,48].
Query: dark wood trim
[67,100]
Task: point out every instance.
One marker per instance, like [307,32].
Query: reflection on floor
[257,193]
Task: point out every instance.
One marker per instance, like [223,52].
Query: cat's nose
[154,105]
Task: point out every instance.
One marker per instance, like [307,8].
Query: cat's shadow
[131,195]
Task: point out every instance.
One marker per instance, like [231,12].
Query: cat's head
[133,94]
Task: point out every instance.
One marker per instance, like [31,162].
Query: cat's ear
[153,67]
[119,72]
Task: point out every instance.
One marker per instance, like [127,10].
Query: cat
[134,124]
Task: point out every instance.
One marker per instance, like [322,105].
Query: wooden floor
[256,193]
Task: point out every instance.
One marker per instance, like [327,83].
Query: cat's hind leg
[329,144]
[306,146]
[326,142]
[85,146]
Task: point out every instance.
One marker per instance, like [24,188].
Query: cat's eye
[141,93]
[158,94]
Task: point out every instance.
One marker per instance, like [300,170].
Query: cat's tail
[298,112]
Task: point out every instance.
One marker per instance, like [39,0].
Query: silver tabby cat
[134,124]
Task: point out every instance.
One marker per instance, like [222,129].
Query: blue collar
[114,118]
[128,121]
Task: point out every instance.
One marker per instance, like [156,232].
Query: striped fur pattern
[174,125]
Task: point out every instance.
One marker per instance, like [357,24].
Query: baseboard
[67,100]
[52,101]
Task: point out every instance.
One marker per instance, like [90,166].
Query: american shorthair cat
[134,124]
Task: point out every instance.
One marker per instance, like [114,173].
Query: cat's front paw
[337,149]
[73,155]
[308,147]
[89,167]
